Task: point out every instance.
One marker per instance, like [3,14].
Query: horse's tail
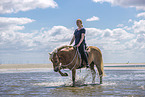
[102,67]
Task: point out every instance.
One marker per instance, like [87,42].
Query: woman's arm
[82,38]
[72,39]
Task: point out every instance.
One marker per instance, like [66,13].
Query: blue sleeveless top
[78,36]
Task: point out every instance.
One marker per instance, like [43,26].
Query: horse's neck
[71,54]
[67,56]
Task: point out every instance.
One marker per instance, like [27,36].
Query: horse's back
[92,49]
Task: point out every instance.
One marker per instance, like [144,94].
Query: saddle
[83,63]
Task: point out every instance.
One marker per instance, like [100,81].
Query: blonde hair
[80,22]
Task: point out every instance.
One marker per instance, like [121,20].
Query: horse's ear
[50,54]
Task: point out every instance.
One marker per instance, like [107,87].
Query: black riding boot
[86,60]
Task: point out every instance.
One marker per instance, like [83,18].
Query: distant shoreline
[23,66]
[106,66]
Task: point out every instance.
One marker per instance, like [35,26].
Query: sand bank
[109,66]
[23,66]
[124,68]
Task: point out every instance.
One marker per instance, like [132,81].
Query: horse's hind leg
[93,72]
[100,72]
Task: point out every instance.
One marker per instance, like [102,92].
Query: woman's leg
[83,54]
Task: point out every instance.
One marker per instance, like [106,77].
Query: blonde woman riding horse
[79,37]
[69,57]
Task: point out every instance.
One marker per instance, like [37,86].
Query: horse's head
[55,60]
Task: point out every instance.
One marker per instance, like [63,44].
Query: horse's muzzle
[56,69]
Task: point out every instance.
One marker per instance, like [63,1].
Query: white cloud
[14,6]
[56,35]
[121,34]
[141,38]
[130,21]
[10,38]
[13,24]
[59,35]
[110,41]
[93,32]
[94,18]
[120,25]
[141,15]
[127,28]
[139,29]
[138,4]
[137,43]
[139,26]
[107,33]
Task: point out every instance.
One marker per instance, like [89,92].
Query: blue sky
[30,29]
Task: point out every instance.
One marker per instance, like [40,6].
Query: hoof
[66,74]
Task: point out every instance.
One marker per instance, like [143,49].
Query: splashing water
[81,78]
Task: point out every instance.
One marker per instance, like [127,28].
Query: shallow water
[46,82]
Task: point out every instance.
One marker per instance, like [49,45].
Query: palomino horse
[69,57]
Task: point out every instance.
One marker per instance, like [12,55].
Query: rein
[77,52]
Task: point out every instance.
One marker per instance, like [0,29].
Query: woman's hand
[78,45]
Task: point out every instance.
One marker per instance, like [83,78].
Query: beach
[120,66]
[22,66]
[39,80]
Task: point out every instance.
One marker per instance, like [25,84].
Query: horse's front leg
[73,76]
[63,74]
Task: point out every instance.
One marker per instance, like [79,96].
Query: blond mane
[56,50]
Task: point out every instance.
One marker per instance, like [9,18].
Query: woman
[79,37]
